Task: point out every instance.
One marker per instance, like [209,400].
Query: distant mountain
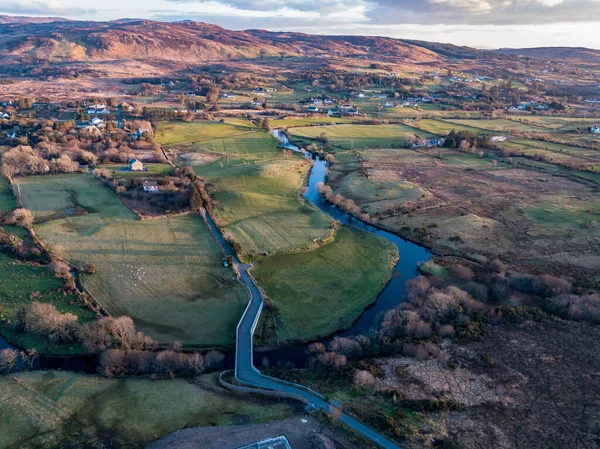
[25,19]
[27,42]
[581,53]
[34,41]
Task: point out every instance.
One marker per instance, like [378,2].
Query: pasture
[224,139]
[443,127]
[154,170]
[7,199]
[292,122]
[499,125]
[259,204]
[18,281]
[354,137]
[53,408]
[166,274]
[318,292]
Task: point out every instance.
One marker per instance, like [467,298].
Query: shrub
[20,217]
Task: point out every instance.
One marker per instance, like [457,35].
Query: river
[411,255]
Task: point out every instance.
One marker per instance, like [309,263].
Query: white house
[150,186]
[4,115]
[389,104]
[596,129]
[102,111]
[96,121]
[382,96]
[360,95]
[498,138]
[135,165]
[313,109]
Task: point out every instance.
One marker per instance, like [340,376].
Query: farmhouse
[498,138]
[135,165]
[150,186]
[4,115]
[313,109]
[595,129]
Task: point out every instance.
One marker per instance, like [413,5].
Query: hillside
[45,40]
[26,19]
[580,53]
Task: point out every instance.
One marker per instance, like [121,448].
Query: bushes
[20,217]
[46,320]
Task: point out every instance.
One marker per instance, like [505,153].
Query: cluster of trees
[48,147]
[347,205]
[465,139]
[165,363]
[123,349]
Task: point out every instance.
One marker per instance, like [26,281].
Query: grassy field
[350,137]
[557,123]
[7,199]
[166,274]
[260,206]
[308,121]
[500,125]
[219,138]
[48,409]
[18,280]
[318,292]
[120,171]
[443,127]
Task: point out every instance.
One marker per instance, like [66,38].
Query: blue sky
[478,23]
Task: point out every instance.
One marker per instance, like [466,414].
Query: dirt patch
[302,433]
[197,158]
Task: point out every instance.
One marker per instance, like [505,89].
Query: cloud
[323,7]
[481,12]
[41,8]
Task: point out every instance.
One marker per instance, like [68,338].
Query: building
[135,165]
[313,109]
[150,186]
[360,95]
[595,129]
[498,138]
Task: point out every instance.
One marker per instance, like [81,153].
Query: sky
[476,23]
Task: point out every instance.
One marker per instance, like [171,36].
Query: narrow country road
[245,371]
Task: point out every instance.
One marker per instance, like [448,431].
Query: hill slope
[580,53]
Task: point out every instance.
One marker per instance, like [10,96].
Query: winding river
[411,255]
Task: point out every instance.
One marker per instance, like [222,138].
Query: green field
[318,292]
[60,409]
[443,127]
[259,204]
[7,199]
[350,137]
[500,125]
[219,138]
[557,123]
[18,281]
[308,121]
[166,274]
[120,171]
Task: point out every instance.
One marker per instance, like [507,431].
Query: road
[246,372]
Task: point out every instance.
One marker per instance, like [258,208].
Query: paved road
[245,371]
